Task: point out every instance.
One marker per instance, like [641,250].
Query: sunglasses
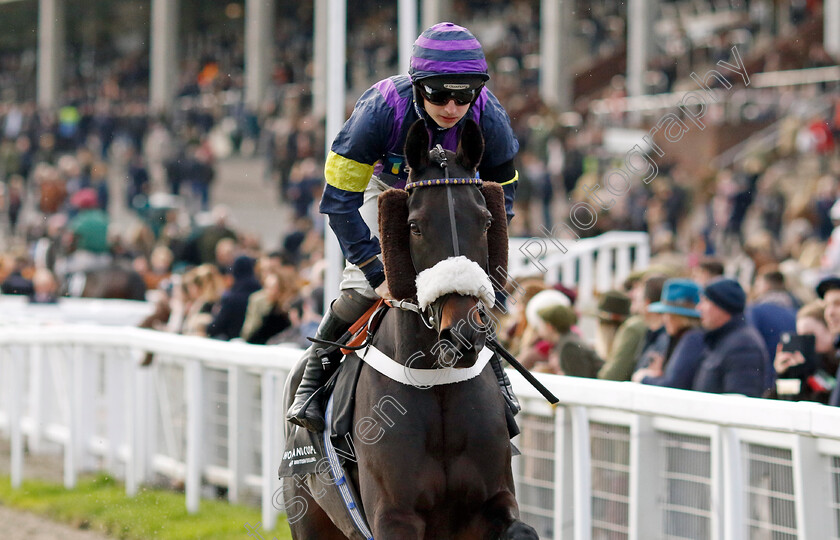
[442,97]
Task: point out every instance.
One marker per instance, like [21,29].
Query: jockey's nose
[451,107]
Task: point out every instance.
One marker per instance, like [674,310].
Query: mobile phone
[806,345]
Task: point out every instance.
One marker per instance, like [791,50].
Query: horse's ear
[417,146]
[497,235]
[470,147]
[394,239]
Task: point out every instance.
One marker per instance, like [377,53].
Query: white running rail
[615,460]
[590,265]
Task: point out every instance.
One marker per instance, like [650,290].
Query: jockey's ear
[395,241]
[497,235]
[417,146]
[470,147]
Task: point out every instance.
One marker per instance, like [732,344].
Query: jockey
[444,87]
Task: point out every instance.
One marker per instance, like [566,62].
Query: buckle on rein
[357,337]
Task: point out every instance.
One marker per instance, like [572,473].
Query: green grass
[99,503]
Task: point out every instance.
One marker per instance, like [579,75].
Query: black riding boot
[512,406]
[307,410]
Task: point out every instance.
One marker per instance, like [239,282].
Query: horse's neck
[403,337]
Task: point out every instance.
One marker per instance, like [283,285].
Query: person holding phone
[808,355]
[829,291]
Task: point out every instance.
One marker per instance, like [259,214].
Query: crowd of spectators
[688,327]
[59,171]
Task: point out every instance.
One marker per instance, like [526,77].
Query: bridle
[438,155]
[431,316]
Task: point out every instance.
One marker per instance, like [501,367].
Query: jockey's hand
[383,291]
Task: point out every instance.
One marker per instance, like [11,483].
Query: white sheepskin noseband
[454,275]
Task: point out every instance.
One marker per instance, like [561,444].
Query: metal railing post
[645,518]
[604,280]
[37,380]
[14,393]
[564,493]
[270,422]
[240,448]
[132,429]
[193,373]
[582,459]
[812,487]
[733,485]
[114,410]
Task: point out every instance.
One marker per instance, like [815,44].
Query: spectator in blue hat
[734,358]
[678,306]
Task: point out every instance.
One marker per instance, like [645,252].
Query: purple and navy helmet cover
[448,51]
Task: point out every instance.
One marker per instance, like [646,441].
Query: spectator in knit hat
[735,358]
[531,345]
[570,355]
[539,337]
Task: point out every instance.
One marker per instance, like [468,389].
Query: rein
[439,155]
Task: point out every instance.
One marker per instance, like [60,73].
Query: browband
[443,182]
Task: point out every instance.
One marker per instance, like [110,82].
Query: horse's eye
[414,228]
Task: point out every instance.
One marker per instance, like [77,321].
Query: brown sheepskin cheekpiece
[497,236]
[394,233]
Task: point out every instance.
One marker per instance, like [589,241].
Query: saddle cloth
[321,462]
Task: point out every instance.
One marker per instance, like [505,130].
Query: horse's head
[443,235]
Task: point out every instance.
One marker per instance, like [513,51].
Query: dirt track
[16,525]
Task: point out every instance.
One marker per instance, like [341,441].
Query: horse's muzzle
[462,334]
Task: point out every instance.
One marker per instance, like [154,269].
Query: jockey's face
[447,115]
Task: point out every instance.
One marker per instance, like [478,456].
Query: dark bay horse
[114,282]
[438,463]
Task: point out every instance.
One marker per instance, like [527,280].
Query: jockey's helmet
[448,57]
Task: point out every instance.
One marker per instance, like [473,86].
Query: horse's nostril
[448,351]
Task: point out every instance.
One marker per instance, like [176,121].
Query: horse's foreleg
[498,518]
[307,520]
[401,524]
[520,531]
